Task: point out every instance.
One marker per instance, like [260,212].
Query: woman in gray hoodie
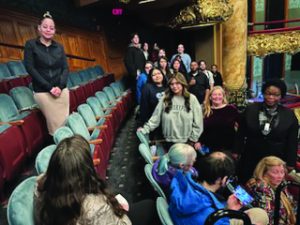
[179,113]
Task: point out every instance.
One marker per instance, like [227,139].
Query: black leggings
[143,212]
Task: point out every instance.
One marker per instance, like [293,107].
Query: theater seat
[146,153]
[32,124]
[20,204]
[110,108]
[23,97]
[99,113]
[62,133]
[17,69]
[155,185]
[162,208]
[12,151]
[89,118]
[117,101]
[5,77]
[43,158]
[1,183]
[99,70]
[86,83]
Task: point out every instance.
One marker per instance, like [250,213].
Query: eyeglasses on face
[272,94]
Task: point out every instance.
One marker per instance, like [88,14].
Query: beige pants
[55,109]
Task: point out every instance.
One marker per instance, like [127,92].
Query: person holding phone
[192,201]
[268,174]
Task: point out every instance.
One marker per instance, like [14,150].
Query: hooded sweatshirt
[191,203]
[178,126]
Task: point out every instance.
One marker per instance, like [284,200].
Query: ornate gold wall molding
[203,11]
[237,97]
[124,1]
[265,44]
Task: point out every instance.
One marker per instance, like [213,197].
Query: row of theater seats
[26,131]
[98,121]
[13,74]
[82,84]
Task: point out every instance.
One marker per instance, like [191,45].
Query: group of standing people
[189,104]
[192,110]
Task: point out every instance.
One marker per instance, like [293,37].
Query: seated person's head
[214,169]
[181,156]
[270,169]
[69,178]
[71,167]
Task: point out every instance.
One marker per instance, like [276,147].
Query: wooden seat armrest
[13,123]
[154,158]
[96,161]
[153,142]
[96,141]
[90,129]
[104,116]
[113,107]
[101,127]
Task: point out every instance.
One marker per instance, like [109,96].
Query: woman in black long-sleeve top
[266,129]
[46,62]
[151,93]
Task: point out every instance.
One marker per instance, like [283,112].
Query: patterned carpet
[125,173]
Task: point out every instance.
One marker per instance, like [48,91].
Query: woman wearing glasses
[266,129]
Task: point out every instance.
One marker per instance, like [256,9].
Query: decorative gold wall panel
[265,44]
[203,11]
[235,46]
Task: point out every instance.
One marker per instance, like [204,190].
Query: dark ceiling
[158,12]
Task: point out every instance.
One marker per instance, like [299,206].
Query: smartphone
[242,195]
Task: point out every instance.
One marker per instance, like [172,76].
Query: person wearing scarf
[267,128]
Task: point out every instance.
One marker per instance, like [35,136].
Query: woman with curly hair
[179,113]
[267,128]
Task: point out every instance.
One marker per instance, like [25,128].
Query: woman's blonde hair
[265,164]
[261,169]
[207,107]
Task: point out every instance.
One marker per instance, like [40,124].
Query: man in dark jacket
[198,83]
[134,61]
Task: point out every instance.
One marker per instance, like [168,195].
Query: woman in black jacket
[152,92]
[46,62]
[266,129]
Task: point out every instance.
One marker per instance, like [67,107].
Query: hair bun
[47,15]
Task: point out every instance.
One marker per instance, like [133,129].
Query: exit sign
[117,11]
